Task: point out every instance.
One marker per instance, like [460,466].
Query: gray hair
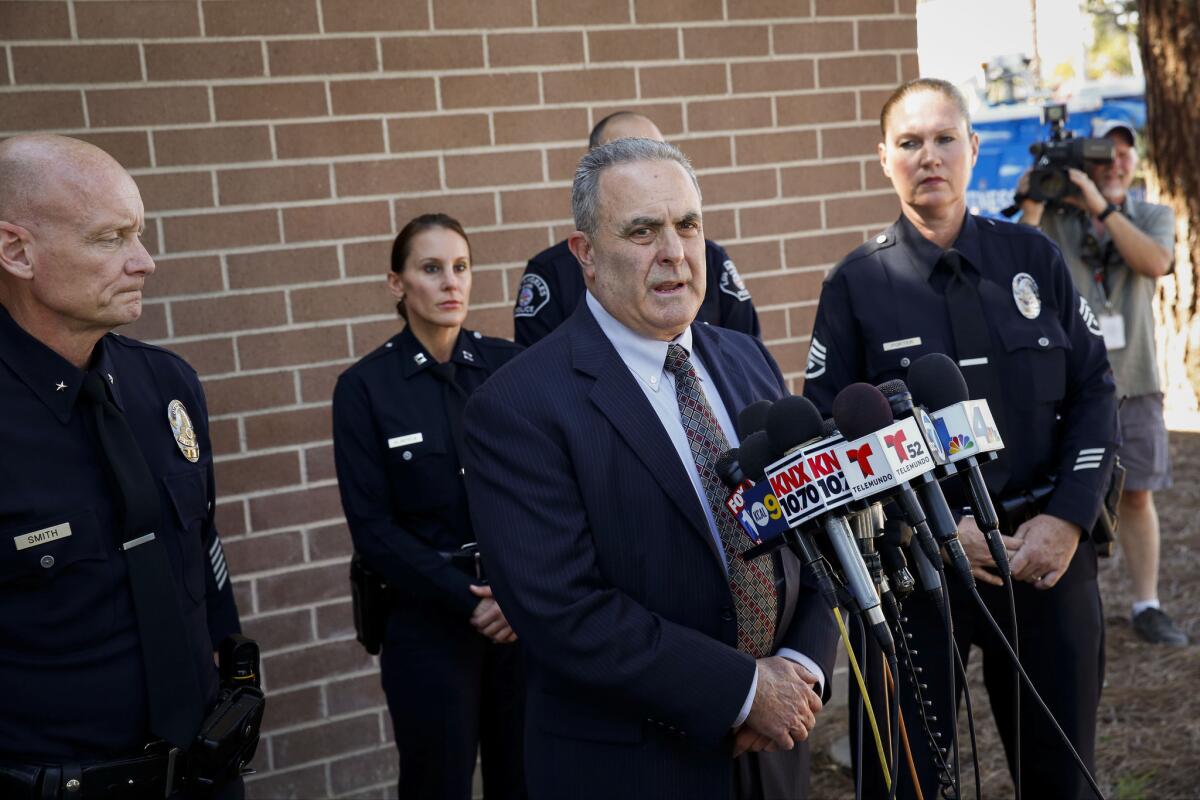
[585,192]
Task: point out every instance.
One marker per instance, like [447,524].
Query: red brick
[707,152]
[489,169]
[814,37]
[752,257]
[581,12]
[305,586]
[853,8]
[785,287]
[857,71]
[303,782]
[910,67]
[780,218]
[390,176]
[487,286]
[891,34]
[335,621]
[508,245]
[316,383]
[207,356]
[667,116]
[364,769]
[281,267]
[382,95]
[150,236]
[223,432]
[369,336]
[791,356]
[562,162]
[584,85]
[470,14]
[822,179]
[249,393]
[41,110]
[359,693]
[273,184]
[77,63]
[690,79]
[773,324]
[712,115]
[875,179]
[726,40]
[285,510]
[770,148]
[521,49]
[556,124]
[231,312]
[167,191]
[213,145]
[776,75]
[288,709]
[648,44]
[283,428]
[738,186]
[721,225]
[116,20]
[329,541]
[495,89]
[856,140]
[341,138]
[369,258]
[289,348]
[230,520]
[821,249]
[496,321]
[371,15]
[239,18]
[816,108]
[269,100]
[345,300]
[336,221]
[189,275]
[879,209]
[221,230]
[765,9]
[676,10]
[255,473]
[322,56]
[536,205]
[438,53]
[34,20]
[472,210]
[134,107]
[442,132]
[130,148]
[318,461]
[330,738]
[181,61]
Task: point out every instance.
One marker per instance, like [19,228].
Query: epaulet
[495,343]
[124,341]
[873,245]
[388,348]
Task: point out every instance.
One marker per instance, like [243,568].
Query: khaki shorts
[1144,443]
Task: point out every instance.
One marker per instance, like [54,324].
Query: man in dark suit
[655,654]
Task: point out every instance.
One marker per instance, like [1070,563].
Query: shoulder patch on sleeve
[816,359]
[1089,318]
[732,283]
[532,295]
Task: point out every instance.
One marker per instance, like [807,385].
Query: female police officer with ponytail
[449,663]
[998,298]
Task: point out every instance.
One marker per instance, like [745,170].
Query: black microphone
[753,418]
[938,384]
[791,422]
[729,469]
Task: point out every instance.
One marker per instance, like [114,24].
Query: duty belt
[155,775]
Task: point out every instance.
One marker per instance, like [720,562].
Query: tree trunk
[1169,39]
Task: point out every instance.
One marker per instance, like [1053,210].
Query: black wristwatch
[1103,215]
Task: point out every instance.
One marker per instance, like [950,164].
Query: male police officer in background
[1117,248]
[113,586]
[553,284]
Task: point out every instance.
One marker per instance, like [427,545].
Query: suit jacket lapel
[726,371]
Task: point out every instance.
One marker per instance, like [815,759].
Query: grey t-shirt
[1129,293]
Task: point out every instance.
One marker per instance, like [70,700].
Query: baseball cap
[1103,127]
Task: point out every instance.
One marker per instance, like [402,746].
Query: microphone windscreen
[828,428]
[728,467]
[936,382]
[892,388]
[753,418]
[859,409]
[754,455]
[791,421]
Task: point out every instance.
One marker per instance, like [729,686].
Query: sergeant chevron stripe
[816,359]
[1089,458]
[217,556]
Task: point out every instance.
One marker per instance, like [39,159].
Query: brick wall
[280,144]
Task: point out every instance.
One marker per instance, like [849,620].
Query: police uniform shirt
[398,469]
[884,306]
[70,657]
[552,287]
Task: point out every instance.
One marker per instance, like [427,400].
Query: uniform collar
[925,254]
[53,379]
[416,358]
[645,357]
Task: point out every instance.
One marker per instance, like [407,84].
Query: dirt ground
[1149,722]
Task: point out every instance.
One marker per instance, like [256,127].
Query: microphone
[882,458]
[966,429]
[753,418]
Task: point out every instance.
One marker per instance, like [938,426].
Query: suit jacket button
[727,613]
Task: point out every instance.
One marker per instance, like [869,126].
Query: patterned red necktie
[751,582]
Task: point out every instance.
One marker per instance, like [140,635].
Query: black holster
[1017,509]
[228,738]
[371,602]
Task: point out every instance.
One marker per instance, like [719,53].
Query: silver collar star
[60,386]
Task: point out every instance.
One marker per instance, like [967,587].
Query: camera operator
[1117,248]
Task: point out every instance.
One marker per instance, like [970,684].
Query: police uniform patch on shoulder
[1089,318]
[532,296]
[185,434]
[1025,295]
[732,283]
[816,359]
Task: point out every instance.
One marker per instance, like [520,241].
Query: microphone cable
[945,776]
[864,702]
[962,669]
[1016,646]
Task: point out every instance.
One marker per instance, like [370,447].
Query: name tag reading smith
[53,533]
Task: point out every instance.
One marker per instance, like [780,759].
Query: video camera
[1049,182]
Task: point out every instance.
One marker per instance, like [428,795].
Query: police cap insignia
[532,296]
[185,434]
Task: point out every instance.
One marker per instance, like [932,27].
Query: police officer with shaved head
[114,591]
[552,285]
